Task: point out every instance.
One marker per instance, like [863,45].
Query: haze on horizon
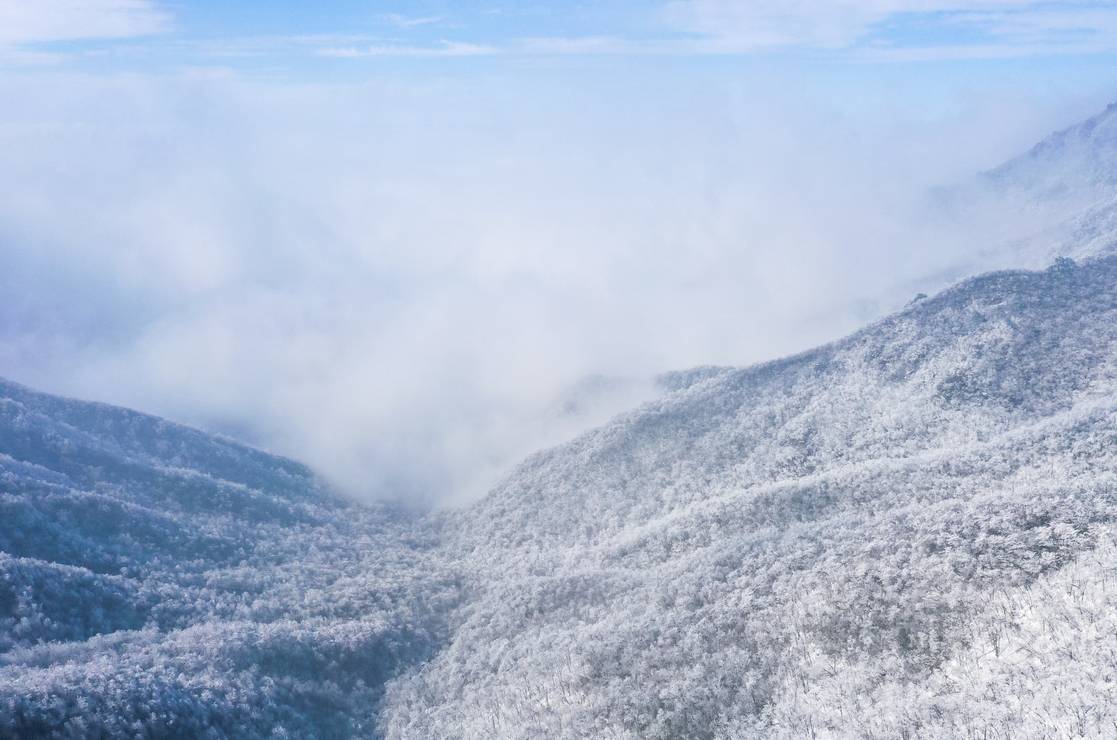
[387,239]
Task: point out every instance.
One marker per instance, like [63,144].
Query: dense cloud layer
[402,282]
[910,530]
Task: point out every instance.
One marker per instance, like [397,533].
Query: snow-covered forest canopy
[910,532]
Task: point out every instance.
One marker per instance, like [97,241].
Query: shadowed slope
[157,580]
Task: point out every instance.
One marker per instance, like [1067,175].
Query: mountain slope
[1058,199]
[810,546]
[813,546]
[701,566]
[908,532]
[155,580]
[1067,163]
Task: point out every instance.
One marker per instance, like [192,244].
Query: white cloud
[442,49]
[393,281]
[35,21]
[575,45]
[405,21]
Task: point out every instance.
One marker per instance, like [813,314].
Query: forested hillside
[909,532]
[158,582]
[804,546]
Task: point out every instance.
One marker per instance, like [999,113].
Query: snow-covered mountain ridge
[906,533]
[1081,157]
[687,569]
[1059,199]
[706,565]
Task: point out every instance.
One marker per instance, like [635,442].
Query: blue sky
[294,35]
[386,238]
[849,51]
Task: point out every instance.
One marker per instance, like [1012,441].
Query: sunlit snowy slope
[806,545]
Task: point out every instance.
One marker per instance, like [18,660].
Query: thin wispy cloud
[879,29]
[1048,23]
[559,45]
[15,56]
[903,28]
[25,22]
[442,49]
[404,21]
[532,46]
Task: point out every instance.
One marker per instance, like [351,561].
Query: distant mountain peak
[1068,162]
